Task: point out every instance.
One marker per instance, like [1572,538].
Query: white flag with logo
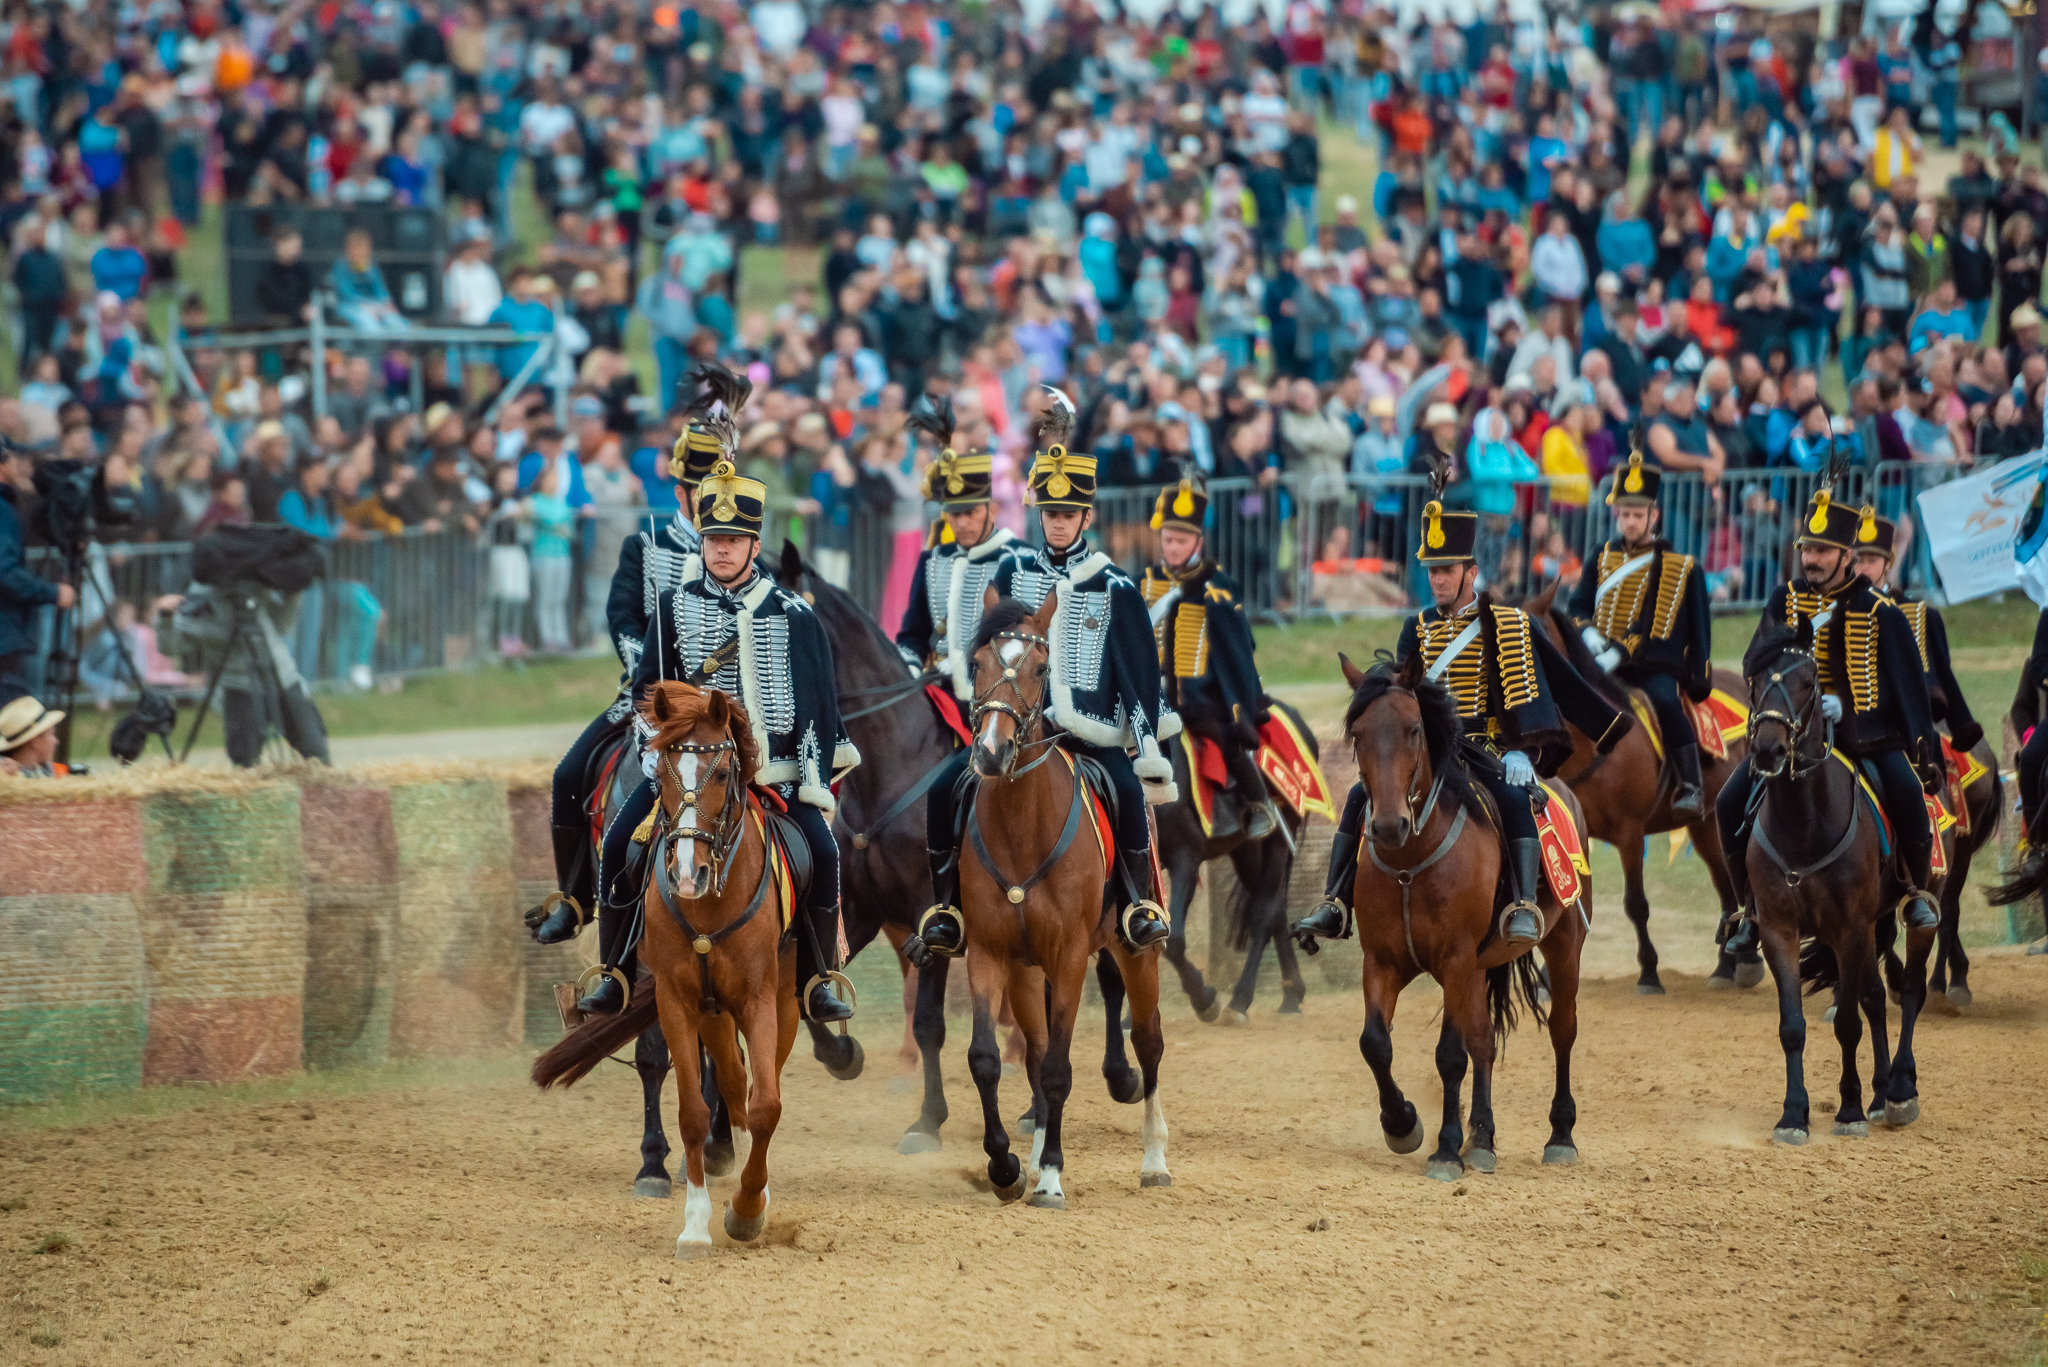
[1972,524]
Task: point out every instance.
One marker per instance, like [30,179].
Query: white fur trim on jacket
[772,771]
[1063,710]
[1152,766]
[812,795]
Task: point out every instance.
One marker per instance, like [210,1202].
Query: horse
[1258,905]
[1816,869]
[1625,798]
[1032,935]
[1984,803]
[716,970]
[885,879]
[1425,897]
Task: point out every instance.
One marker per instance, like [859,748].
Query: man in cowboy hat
[1205,654]
[1481,651]
[28,739]
[651,562]
[1643,615]
[1874,692]
[1105,695]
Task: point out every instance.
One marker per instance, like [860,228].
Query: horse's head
[1539,606]
[706,756]
[1390,730]
[790,573]
[1784,696]
[1010,662]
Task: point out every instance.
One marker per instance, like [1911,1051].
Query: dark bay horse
[1816,871]
[1425,896]
[1626,798]
[718,967]
[1032,935]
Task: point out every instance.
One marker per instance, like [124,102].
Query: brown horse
[1425,897]
[1034,934]
[717,968]
[1625,799]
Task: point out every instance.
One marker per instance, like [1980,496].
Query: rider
[1205,652]
[1514,692]
[1646,622]
[728,626]
[1874,693]
[650,563]
[1944,696]
[1102,686]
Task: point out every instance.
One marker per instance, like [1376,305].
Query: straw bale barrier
[351,854]
[533,873]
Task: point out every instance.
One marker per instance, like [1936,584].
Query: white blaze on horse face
[1155,1136]
[1012,652]
[696,1234]
[988,732]
[686,774]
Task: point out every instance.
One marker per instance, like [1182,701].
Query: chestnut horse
[717,968]
[1425,897]
[1033,934]
[1626,799]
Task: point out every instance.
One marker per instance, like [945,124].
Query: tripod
[65,655]
[290,734]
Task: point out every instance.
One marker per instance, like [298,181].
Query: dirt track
[487,1223]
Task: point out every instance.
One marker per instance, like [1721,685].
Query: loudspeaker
[410,246]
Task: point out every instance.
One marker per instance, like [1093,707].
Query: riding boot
[617,932]
[1689,798]
[1330,919]
[558,918]
[1522,922]
[1260,820]
[817,936]
[940,930]
[1143,923]
[1226,819]
[1917,907]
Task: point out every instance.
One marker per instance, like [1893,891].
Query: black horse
[1258,906]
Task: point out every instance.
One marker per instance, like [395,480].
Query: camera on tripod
[75,502]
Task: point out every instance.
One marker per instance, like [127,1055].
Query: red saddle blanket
[1963,770]
[948,708]
[1286,759]
[1563,847]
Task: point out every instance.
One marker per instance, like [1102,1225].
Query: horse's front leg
[1047,1020]
[1398,1119]
[1148,1037]
[747,1215]
[1901,1095]
[1635,903]
[1951,980]
[1860,985]
[718,1150]
[1116,1064]
[985,1065]
[906,1053]
[693,1126]
[1779,930]
[650,1061]
[928,1026]
[1561,951]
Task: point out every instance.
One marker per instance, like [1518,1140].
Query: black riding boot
[1522,922]
[1330,919]
[1255,803]
[940,930]
[1143,923]
[1917,907]
[617,928]
[817,936]
[1689,799]
[564,913]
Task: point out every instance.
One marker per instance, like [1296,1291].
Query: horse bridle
[1794,720]
[1027,721]
[1417,820]
[724,837]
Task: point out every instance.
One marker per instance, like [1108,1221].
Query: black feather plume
[1055,419]
[714,384]
[1439,473]
[934,418]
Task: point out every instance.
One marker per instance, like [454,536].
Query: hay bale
[224,929]
[533,866]
[74,988]
[460,974]
[351,862]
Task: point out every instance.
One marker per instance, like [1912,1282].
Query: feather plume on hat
[1055,419]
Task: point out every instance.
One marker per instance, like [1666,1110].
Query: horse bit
[723,837]
[1795,725]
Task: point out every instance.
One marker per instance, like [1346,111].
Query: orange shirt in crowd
[1412,130]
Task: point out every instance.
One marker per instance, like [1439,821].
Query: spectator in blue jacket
[117,267]
[1098,261]
[1625,242]
[523,311]
[22,594]
[360,294]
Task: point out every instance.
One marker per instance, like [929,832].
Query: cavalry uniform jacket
[1652,605]
[1105,663]
[945,602]
[1944,695]
[1515,690]
[782,672]
[1205,647]
[1867,657]
[651,563]
[2029,706]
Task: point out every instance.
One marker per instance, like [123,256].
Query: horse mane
[676,709]
[1772,640]
[1006,615]
[1441,733]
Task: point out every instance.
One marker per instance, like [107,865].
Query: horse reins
[724,839]
[1790,770]
[1017,891]
[898,692]
[1027,721]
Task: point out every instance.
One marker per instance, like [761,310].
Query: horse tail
[1990,825]
[1240,914]
[1511,988]
[1818,968]
[590,1043]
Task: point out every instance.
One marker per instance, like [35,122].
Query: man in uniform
[1515,693]
[1874,694]
[1205,654]
[1102,684]
[1944,696]
[1643,613]
[730,627]
[650,563]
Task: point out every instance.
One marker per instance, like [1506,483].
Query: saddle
[1713,721]
[1565,862]
[786,841]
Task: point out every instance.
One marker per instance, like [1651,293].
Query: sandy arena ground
[484,1222]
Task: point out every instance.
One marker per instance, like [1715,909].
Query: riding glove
[1517,770]
[1830,707]
[1608,658]
[649,761]
[1595,642]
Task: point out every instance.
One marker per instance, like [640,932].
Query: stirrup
[1149,916]
[538,919]
[1514,910]
[1916,910]
[1744,935]
[849,997]
[949,913]
[598,972]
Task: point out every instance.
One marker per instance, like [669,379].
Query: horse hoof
[691,1252]
[1560,1153]
[852,1068]
[1155,1179]
[1657,989]
[718,1160]
[1290,1006]
[1409,1142]
[1827,1017]
[1046,1200]
[1898,1114]
[1480,1160]
[1786,1135]
[1234,1017]
[1125,1088]
[1717,983]
[1749,972]
[1445,1170]
[1015,1190]
[917,1141]
[742,1230]
[1959,996]
[653,1188]
[1852,1129]
[1208,1007]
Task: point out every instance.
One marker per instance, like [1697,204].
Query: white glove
[1595,642]
[1830,707]
[1608,658]
[1517,770]
[650,760]
[910,660]
[1155,776]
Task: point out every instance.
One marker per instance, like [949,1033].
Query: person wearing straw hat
[652,561]
[1643,615]
[1515,693]
[1103,687]
[1874,559]
[1874,696]
[28,739]
[1205,654]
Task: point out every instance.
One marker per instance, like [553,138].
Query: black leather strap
[1016,892]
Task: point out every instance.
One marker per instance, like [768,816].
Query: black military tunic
[1651,605]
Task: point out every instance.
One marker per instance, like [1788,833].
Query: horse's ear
[719,712]
[661,704]
[1412,672]
[1540,605]
[1041,620]
[792,563]
[989,598]
[1353,675]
